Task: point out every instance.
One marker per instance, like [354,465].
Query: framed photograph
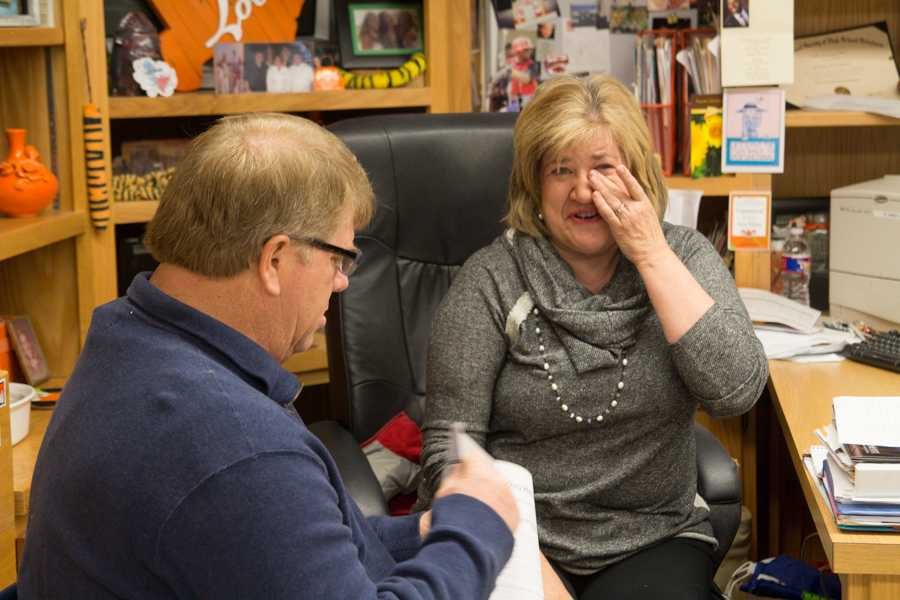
[19,13]
[375,35]
[274,68]
[27,348]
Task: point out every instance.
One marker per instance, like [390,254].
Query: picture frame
[20,13]
[379,34]
[27,349]
[287,67]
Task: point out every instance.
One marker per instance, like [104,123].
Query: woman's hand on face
[630,215]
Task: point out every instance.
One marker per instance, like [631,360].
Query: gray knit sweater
[611,448]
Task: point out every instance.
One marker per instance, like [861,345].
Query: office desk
[868,563]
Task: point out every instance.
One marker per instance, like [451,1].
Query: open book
[520,579]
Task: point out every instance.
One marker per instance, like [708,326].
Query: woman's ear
[273,263]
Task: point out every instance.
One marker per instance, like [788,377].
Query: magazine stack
[858,463]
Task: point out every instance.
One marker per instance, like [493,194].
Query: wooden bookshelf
[140,211]
[207,103]
[30,36]
[721,186]
[311,367]
[815,118]
[18,236]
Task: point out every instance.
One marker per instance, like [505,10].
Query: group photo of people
[276,68]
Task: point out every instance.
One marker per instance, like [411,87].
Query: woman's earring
[541,216]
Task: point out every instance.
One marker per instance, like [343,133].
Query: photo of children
[385,30]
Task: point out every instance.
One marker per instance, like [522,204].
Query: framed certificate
[749,221]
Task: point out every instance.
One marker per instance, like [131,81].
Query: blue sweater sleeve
[400,535]
[276,526]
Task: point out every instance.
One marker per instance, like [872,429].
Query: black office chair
[440,183]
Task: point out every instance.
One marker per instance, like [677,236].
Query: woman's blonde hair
[250,177]
[567,111]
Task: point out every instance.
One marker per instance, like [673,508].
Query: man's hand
[425,524]
[476,476]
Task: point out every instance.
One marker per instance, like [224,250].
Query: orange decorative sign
[193,28]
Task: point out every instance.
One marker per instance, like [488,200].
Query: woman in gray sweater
[581,342]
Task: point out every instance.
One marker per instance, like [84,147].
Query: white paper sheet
[683,207]
[872,420]
[766,307]
[762,52]
[521,578]
[784,344]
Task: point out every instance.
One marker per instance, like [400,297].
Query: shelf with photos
[11,37]
[24,234]
[208,103]
[142,211]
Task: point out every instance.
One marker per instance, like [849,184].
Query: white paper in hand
[521,578]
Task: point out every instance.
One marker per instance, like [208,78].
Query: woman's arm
[466,352]
[719,358]
[678,299]
[711,337]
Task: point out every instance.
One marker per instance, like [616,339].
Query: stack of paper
[788,329]
[858,463]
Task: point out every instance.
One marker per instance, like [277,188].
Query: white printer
[864,252]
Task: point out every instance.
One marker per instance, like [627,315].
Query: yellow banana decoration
[381,80]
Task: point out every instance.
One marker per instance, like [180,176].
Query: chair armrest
[719,483]
[717,474]
[358,477]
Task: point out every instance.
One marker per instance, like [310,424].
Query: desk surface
[802,395]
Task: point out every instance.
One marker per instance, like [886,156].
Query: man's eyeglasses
[349,258]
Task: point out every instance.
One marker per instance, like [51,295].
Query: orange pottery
[26,185]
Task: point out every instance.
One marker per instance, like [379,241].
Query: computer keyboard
[879,350]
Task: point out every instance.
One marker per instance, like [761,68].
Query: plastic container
[796,265]
[21,396]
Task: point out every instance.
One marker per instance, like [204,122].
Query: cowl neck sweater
[594,329]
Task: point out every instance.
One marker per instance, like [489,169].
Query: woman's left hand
[630,215]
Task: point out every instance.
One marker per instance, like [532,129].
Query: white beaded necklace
[557,392]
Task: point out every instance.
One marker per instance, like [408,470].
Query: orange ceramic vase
[26,185]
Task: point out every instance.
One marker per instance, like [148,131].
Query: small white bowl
[21,396]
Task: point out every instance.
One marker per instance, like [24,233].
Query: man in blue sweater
[175,465]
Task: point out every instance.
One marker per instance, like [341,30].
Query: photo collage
[540,39]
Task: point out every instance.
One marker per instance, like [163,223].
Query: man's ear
[272,265]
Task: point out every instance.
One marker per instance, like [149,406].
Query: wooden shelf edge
[31,36]
[721,186]
[816,118]
[134,212]
[207,103]
[18,236]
